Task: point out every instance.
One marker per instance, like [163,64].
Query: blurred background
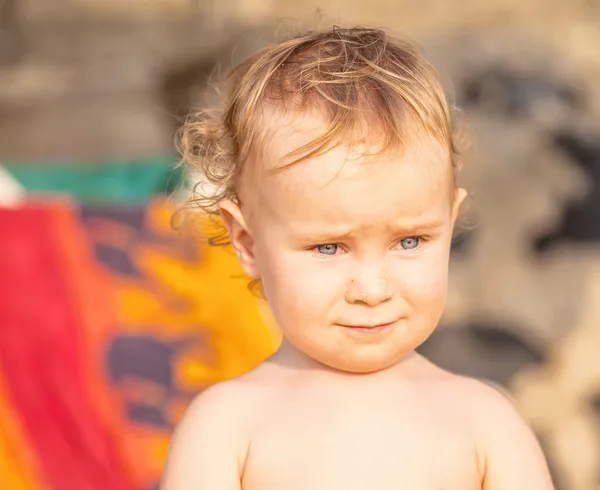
[110,321]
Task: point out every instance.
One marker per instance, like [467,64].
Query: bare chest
[363,446]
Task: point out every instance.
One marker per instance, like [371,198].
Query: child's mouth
[370,328]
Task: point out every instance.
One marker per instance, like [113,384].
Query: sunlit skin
[350,238]
[352,250]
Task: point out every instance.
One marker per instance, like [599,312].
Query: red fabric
[42,357]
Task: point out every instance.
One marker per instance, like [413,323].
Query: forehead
[286,132]
[349,183]
[335,184]
[360,170]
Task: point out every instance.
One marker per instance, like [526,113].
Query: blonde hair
[351,76]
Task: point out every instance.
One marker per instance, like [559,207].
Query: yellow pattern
[18,466]
[178,298]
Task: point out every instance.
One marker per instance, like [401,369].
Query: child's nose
[369,285]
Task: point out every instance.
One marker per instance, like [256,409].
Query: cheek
[424,282]
[296,284]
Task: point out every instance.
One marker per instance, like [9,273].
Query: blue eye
[327,249]
[410,243]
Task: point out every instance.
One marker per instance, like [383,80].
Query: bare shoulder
[479,398]
[210,443]
[463,393]
[506,445]
[220,407]
[490,409]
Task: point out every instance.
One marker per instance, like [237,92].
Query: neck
[290,358]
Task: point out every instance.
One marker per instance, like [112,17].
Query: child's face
[352,250]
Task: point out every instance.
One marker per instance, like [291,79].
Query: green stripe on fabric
[114,181]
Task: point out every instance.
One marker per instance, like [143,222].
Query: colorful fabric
[110,322]
[113,182]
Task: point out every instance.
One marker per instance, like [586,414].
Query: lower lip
[367,330]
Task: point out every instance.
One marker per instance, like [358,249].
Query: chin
[362,367]
[364,362]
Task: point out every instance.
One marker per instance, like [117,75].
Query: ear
[459,196]
[240,236]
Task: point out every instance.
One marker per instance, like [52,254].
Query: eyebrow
[416,226]
[322,236]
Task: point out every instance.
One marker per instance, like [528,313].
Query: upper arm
[208,446]
[513,457]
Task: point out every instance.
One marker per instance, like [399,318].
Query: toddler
[333,167]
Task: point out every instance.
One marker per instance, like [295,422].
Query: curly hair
[354,77]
